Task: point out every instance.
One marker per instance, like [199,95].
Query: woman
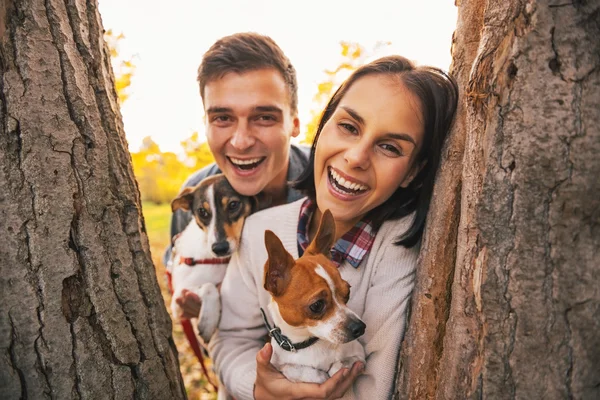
[373,164]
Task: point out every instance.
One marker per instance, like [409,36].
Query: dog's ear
[278,265]
[183,200]
[323,240]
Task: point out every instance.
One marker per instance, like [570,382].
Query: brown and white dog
[202,250]
[314,331]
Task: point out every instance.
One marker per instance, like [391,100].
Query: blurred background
[156,49]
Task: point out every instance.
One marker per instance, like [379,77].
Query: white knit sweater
[381,287]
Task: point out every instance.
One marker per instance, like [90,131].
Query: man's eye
[266,119]
[233,205]
[202,212]
[317,307]
[221,118]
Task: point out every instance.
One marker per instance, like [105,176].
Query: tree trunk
[507,301]
[81,314]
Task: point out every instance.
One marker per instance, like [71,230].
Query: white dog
[202,250]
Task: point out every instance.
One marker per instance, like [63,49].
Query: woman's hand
[190,303]
[272,384]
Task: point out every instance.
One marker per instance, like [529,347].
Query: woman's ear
[414,171]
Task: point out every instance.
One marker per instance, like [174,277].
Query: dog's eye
[233,205]
[202,212]
[317,307]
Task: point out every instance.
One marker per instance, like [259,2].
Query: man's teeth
[347,184]
[245,162]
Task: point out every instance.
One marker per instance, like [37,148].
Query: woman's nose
[242,138]
[358,156]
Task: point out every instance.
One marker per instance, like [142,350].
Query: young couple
[372,164]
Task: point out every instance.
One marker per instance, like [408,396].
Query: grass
[158,220]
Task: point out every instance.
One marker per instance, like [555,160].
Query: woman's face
[367,149]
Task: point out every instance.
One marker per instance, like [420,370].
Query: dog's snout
[356,328]
[220,248]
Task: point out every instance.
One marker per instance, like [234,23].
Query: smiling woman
[367,149]
[372,165]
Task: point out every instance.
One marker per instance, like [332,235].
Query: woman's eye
[233,205]
[350,128]
[391,149]
[317,307]
[202,212]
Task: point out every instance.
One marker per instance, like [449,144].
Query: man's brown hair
[244,52]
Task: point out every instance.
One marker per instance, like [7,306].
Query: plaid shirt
[353,246]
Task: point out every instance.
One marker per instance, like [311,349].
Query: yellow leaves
[161,174]
[353,55]
[123,68]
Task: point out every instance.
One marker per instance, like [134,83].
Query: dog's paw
[303,373]
[345,363]
[210,313]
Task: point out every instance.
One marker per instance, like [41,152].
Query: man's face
[249,124]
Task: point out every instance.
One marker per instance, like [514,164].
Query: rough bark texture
[507,303]
[81,314]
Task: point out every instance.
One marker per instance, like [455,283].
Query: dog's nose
[357,328]
[220,249]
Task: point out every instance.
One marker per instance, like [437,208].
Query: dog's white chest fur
[201,279]
[318,362]
[315,363]
[193,243]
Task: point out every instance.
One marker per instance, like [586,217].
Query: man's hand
[190,304]
[272,384]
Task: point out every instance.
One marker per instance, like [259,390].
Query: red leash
[193,340]
[191,337]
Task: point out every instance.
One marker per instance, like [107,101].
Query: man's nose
[242,138]
[358,156]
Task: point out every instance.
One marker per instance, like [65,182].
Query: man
[250,95]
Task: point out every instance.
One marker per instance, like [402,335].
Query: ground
[157,218]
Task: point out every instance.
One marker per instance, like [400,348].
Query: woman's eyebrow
[354,114]
[402,136]
[360,120]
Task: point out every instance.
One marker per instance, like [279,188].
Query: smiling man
[250,95]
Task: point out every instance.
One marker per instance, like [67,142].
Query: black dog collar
[283,340]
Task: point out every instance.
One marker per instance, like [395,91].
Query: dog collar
[195,261]
[283,341]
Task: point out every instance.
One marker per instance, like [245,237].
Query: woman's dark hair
[437,93]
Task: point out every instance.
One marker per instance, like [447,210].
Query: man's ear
[325,236]
[278,265]
[417,167]
[296,130]
[183,200]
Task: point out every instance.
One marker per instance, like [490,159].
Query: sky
[166,44]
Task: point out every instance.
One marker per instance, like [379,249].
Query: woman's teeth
[342,184]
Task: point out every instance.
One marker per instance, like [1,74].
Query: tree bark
[81,314]
[507,301]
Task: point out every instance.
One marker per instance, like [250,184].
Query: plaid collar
[352,246]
